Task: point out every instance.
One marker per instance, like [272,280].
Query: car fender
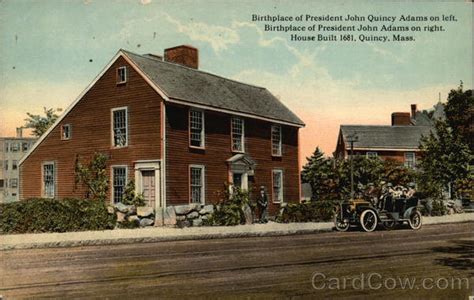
[408,212]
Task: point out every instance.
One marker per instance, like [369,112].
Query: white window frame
[112,194]
[27,146]
[14,147]
[406,159]
[203,183]
[14,183]
[121,80]
[279,145]
[203,126]
[371,154]
[14,164]
[63,132]
[280,197]
[43,183]
[242,137]
[112,130]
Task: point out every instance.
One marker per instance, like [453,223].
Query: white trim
[62,132]
[150,165]
[112,141]
[112,192]
[163,165]
[242,141]
[281,187]
[280,142]
[231,112]
[203,129]
[44,163]
[203,182]
[117,75]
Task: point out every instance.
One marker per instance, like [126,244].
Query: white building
[12,150]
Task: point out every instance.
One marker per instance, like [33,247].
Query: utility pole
[352,139]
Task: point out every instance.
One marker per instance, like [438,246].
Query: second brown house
[179,132]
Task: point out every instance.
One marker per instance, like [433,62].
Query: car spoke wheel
[415,220]
[341,224]
[368,220]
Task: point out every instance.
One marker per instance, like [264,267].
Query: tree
[316,172]
[40,124]
[93,176]
[445,160]
[459,111]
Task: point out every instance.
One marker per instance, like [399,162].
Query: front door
[148,187]
[240,180]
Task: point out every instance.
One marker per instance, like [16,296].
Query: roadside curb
[160,234]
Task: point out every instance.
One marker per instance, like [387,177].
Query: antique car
[392,209]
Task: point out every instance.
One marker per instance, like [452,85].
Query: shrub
[130,197]
[49,215]
[438,208]
[315,211]
[229,211]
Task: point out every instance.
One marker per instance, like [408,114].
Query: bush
[49,215]
[130,197]
[315,211]
[439,208]
[229,211]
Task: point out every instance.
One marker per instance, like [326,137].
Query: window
[277,186]
[14,164]
[66,132]
[196,128]
[6,165]
[1,183]
[237,130]
[121,75]
[276,140]
[7,146]
[14,183]
[119,181]
[371,154]
[410,159]
[14,147]
[48,180]
[197,183]
[1,164]
[120,127]
[25,146]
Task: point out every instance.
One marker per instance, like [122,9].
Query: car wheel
[368,220]
[415,220]
[341,225]
[389,224]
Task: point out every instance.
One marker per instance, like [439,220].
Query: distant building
[399,141]
[12,149]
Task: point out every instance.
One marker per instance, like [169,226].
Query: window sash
[410,160]
[48,180]
[119,180]
[14,164]
[197,184]
[277,186]
[66,132]
[14,183]
[122,75]
[276,140]
[24,146]
[371,154]
[238,134]
[120,127]
[196,128]
[14,147]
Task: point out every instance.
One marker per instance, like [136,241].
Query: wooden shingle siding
[91,125]
[218,149]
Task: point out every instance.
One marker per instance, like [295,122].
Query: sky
[50,50]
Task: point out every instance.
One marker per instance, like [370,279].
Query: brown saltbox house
[179,132]
[399,142]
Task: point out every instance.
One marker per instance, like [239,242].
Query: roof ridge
[194,70]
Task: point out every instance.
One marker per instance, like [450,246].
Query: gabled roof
[385,137]
[197,87]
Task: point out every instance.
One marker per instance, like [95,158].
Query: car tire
[368,220]
[415,220]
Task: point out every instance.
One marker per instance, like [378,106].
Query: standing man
[262,204]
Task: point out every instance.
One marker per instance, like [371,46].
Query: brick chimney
[184,55]
[401,119]
[413,110]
